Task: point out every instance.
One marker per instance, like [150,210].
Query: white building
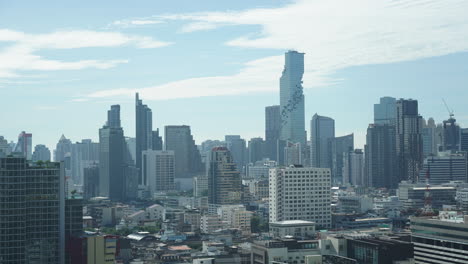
[293,154]
[353,168]
[235,216]
[298,193]
[295,228]
[210,223]
[156,212]
[355,204]
[158,170]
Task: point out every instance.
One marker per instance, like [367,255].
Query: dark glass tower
[224,180]
[143,130]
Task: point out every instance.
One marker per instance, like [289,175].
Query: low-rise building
[293,228]
[442,239]
[210,223]
[379,250]
[355,204]
[412,195]
[289,251]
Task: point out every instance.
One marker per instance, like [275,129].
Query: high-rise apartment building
[385,111]
[340,146]
[237,147]
[381,156]
[143,130]
[32,208]
[112,148]
[187,157]
[224,180]
[292,99]
[24,145]
[409,143]
[91,181]
[322,134]
[41,152]
[158,170]
[298,193]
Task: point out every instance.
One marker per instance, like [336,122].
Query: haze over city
[187,59]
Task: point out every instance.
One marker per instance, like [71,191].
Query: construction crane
[450,111]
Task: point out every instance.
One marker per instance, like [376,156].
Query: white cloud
[20,55]
[135,22]
[334,34]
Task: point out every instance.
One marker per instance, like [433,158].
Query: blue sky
[215,65]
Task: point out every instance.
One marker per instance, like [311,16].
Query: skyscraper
[112,157]
[224,180]
[408,139]
[298,193]
[272,131]
[4,147]
[33,215]
[156,141]
[62,148]
[385,111]
[322,133]
[340,145]
[256,149]
[292,99]
[353,168]
[158,170]
[236,146]
[293,154]
[187,157]
[143,130]
[451,135]
[380,149]
[429,138]
[41,152]
[83,155]
[464,139]
[24,145]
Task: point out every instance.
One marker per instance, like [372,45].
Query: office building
[445,168]
[353,168]
[283,251]
[340,146]
[292,99]
[298,193]
[33,215]
[187,157]
[158,170]
[322,133]
[143,130]
[91,181]
[412,195]
[256,149]
[112,148]
[5,148]
[293,228]
[293,154]
[380,156]
[157,140]
[238,149]
[464,139]
[200,186]
[272,131]
[260,169]
[408,139]
[41,152]
[429,138]
[62,149]
[24,145]
[224,180]
[83,155]
[131,145]
[379,250]
[95,249]
[385,111]
[451,137]
[440,240]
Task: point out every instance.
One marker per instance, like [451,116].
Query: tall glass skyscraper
[321,136]
[224,180]
[24,145]
[143,130]
[385,111]
[292,99]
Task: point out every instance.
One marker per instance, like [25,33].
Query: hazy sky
[215,65]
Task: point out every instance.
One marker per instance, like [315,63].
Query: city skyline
[82,76]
